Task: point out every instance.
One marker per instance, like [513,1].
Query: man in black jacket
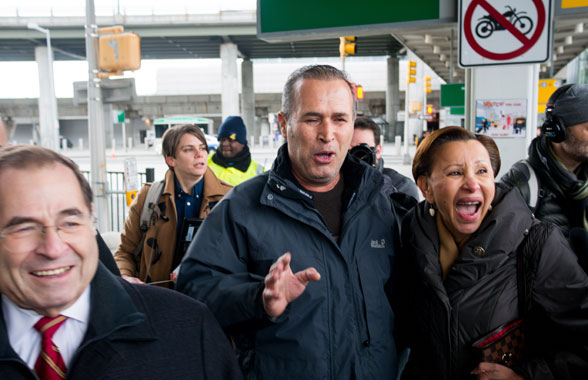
[554,178]
[403,190]
[63,313]
[293,262]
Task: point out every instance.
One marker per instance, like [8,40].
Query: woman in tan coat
[191,189]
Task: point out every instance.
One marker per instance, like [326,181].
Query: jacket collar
[112,309]
[354,172]
[169,187]
[213,187]
[496,239]
[283,192]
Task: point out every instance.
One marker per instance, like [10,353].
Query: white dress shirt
[26,341]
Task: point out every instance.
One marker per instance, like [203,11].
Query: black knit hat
[233,128]
[571,106]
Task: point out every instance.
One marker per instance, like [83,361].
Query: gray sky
[20,79]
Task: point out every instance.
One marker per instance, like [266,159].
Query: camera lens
[365,153]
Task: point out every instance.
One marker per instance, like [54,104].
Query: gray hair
[319,72]
[21,157]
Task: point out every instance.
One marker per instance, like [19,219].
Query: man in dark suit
[63,313]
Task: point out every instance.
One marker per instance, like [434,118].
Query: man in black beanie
[232,162]
[554,178]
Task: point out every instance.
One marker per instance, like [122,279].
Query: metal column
[96,122]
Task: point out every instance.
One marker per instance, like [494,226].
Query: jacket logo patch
[378,244]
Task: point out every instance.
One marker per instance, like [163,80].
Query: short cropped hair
[26,156]
[365,123]
[173,135]
[426,151]
[318,72]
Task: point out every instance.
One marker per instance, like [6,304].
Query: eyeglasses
[28,235]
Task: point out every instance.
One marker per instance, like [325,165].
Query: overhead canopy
[165,37]
[569,41]
[200,36]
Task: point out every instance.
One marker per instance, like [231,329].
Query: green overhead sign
[288,20]
[118,116]
[453,95]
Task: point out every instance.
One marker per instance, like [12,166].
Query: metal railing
[117,201]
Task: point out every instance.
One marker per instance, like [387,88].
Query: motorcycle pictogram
[488,24]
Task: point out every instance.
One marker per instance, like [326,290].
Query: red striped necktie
[49,365]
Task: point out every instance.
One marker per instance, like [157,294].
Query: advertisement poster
[501,117]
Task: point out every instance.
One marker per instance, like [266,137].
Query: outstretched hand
[282,286]
[493,371]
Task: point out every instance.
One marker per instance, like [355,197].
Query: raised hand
[282,286]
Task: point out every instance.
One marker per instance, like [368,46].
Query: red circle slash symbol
[527,43]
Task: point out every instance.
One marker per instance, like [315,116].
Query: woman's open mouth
[468,210]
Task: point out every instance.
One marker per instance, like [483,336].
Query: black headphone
[553,127]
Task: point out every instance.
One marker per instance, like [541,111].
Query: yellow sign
[131,195]
[131,180]
[573,3]
[546,88]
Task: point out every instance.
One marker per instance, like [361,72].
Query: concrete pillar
[248,97]
[229,82]
[10,128]
[392,97]
[48,120]
[508,82]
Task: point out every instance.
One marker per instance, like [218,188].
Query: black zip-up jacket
[341,327]
[441,319]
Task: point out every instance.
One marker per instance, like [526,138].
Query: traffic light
[428,85]
[358,91]
[119,51]
[346,46]
[411,78]
[430,109]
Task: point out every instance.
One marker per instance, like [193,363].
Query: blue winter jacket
[341,326]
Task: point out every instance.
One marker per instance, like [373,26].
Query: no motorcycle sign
[494,32]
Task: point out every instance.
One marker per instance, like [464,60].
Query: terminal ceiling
[432,45]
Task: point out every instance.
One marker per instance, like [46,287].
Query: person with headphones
[554,178]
